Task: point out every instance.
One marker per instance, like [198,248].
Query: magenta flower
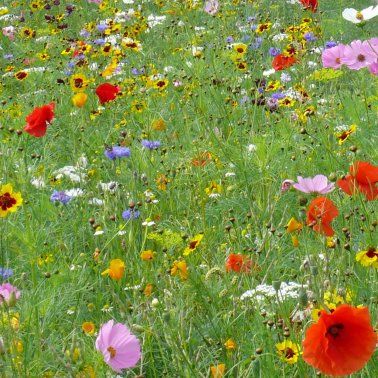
[211,7]
[120,348]
[373,68]
[331,58]
[9,294]
[358,54]
[318,184]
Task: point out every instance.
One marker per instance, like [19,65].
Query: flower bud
[276,285]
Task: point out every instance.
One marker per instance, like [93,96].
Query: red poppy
[363,177]
[238,263]
[280,62]
[38,119]
[320,214]
[107,92]
[340,343]
[310,4]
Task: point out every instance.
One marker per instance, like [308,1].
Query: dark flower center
[361,58]
[6,201]
[335,329]
[193,244]
[112,352]
[371,253]
[78,83]
[289,353]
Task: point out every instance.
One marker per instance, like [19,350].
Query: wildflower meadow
[188,188]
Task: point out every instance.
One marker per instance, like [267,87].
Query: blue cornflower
[130,214]
[278,95]
[151,144]
[5,273]
[330,44]
[85,33]
[101,27]
[99,41]
[229,39]
[60,196]
[117,152]
[273,51]
[309,37]
[256,45]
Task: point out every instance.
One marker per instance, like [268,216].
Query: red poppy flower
[310,4]
[238,263]
[106,92]
[363,177]
[320,214]
[280,62]
[340,343]
[38,119]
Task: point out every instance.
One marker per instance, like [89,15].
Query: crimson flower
[38,119]
[340,343]
[363,177]
[106,92]
[312,5]
[280,62]
[320,214]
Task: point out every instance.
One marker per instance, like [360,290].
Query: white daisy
[357,17]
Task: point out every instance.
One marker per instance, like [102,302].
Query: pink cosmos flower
[286,185]
[331,58]
[358,54]
[9,31]
[211,7]
[318,184]
[373,68]
[8,293]
[120,348]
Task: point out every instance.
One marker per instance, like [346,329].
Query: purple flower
[309,37]
[151,144]
[274,51]
[256,45]
[330,44]
[99,41]
[117,152]
[60,196]
[229,39]
[286,185]
[318,184]
[211,7]
[5,273]
[120,348]
[102,27]
[278,95]
[9,294]
[130,214]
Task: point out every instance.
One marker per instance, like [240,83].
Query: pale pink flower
[9,31]
[373,68]
[286,185]
[211,7]
[9,293]
[318,184]
[358,54]
[331,58]
[120,348]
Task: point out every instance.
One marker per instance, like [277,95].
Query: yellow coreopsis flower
[9,200]
[116,269]
[288,351]
[193,244]
[78,82]
[180,268]
[368,258]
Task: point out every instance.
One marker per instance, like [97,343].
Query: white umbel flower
[357,17]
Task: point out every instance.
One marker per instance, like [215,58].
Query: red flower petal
[107,92]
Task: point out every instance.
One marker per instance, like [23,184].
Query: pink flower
[331,58]
[358,54]
[9,31]
[9,293]
[318,184]
[373,68]
[286,185]
[211,7]
[120,348]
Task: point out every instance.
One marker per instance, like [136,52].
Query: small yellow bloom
[293,225]
[343,135]
[230,344]
[159,125]
[147,255]
[116,269]
[368,258]
[217,371]
[180,268]
[88,328]
[9,200]
[193,244]
[288,351]
[79,99]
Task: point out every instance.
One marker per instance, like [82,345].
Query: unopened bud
[276,285]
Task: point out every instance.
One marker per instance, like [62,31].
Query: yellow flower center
[359,16]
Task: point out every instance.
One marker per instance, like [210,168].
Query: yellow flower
[230,344]
[79,99]
[115,270]
[263,27]
[368,258]
[78,82]
[147,255]
[288,351]
[335,298]
[217,371]
[180,268]
[342,136]
[88,328]
[214,188]
[293,225]
[159,125]
[193,244]
[330,242]
[240,48]
[21,75]
[9,200]
[138,106]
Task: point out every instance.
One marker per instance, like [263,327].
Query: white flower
[75,192]
[96,201]
[262,292]
[111,186]
[38,182]
[251,148]
[269,72]
[357,17]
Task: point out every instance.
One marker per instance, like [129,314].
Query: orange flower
[238,263]
[115,270]
[340,343]
[363,177]
[280,62]
[320,214]
[88,328]
[217,371]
